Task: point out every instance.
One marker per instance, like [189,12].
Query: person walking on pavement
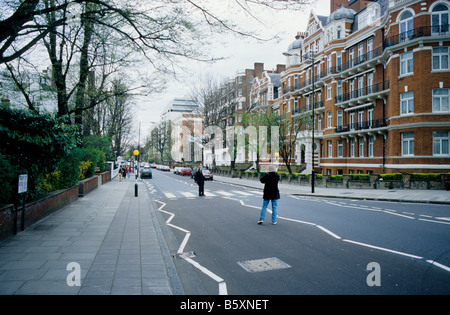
[200,180]
[271,194]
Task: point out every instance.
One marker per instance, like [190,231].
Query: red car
[185,171]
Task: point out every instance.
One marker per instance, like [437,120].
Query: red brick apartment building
[381,82]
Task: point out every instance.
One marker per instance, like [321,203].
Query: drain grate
[265,264]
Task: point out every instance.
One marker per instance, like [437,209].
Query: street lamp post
[313,127]
[313,175]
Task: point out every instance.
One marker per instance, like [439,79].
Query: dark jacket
[199,178]
[270,181]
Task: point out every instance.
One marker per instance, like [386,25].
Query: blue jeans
[274,209]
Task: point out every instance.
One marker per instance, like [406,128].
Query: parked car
[177,170]
[208,175]
[186,171]
[165,168]
[146,172]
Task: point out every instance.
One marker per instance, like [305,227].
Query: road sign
[23,183]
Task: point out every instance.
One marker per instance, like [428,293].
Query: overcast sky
[240,55]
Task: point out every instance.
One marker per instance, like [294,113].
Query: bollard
[136,190]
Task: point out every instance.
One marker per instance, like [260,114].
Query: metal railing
[423,31]
[363,125]
[367,90]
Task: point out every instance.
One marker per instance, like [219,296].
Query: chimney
[259,69]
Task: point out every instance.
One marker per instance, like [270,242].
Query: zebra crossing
[209,193]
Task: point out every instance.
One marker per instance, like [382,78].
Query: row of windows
[439,62]
[441,141]
[352,147]
[440,101]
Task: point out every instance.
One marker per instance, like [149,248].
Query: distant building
[186,124]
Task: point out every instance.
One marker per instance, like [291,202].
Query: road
[319,246]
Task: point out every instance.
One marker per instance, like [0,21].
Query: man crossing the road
[200,180]
[270,194]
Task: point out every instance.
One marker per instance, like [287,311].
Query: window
[371,141]
[339,63]
[407,103]
[360,120]
[328,64]
[330,148]
[406,63]
[439,19]
[370,117]
[407,143]
[441,141]
[329,119]
[440,58]
[352,147]
[339,120]
[406,25]
[351,88]
[361,147]
[351,56]
[360,52]
[340,148]
[441,100]
[369,48]
[360,86]
[370,83]
[329,91]
[352,121]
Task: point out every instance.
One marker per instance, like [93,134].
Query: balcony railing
[362,58]
[364,125]
[305,108]
[365,91]
[423,31]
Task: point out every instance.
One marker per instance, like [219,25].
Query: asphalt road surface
[319,246]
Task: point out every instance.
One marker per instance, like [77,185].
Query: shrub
[361,177]
[394,176]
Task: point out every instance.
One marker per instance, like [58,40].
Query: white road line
[439,265]
[186,194]
[400,215]
[221,192]
[329,232]
[359,243]
[169,195]
[222,284]
[242,193]
[384,249]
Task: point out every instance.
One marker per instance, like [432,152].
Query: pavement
[106,243]
[110,242]
[399,195]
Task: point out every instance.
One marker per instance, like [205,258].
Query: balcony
[423,31]
[362,62]
[362,126]
[317,106]
[367,93]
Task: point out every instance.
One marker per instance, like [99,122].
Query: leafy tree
[34,143]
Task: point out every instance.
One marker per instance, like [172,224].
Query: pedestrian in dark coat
[200,180]
[271,194]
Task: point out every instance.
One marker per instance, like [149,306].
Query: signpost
[22,188]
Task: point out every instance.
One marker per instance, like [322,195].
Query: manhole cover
[265,264]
